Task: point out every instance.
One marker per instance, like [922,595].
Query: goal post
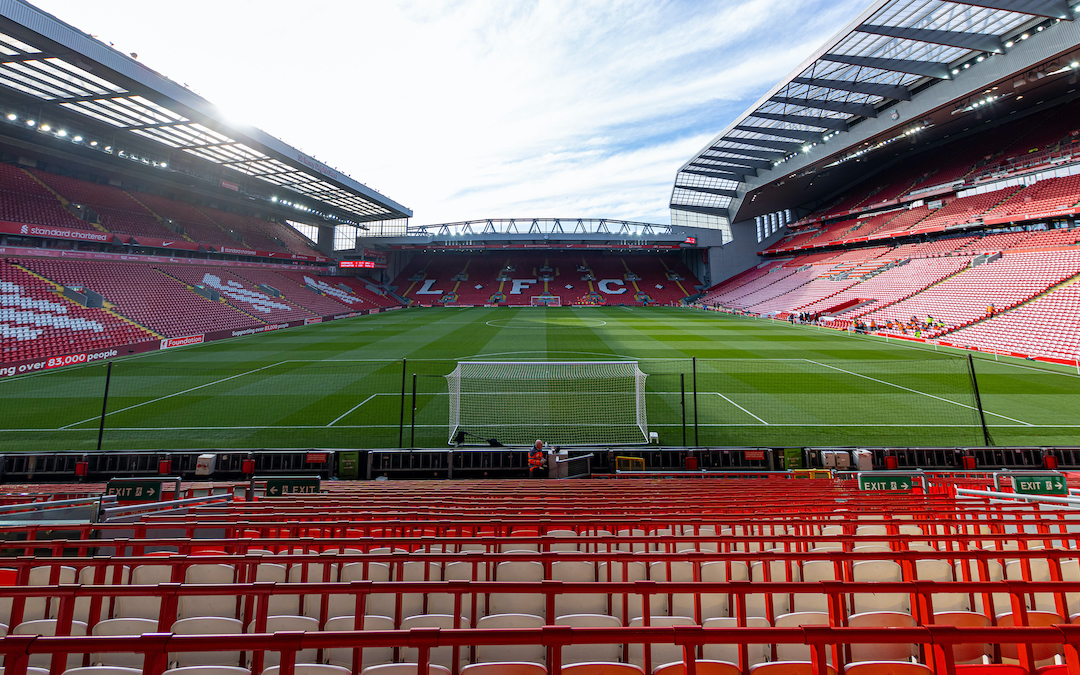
[559,402]
[546,301]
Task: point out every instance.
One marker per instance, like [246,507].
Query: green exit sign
[277,487]
[1048,484]
[127,490]
[887,483]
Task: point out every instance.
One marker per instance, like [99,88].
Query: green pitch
[339,385]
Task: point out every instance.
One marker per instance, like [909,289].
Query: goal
[547,301]
[559,402]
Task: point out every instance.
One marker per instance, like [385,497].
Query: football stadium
[255,420]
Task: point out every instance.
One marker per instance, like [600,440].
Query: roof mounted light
[12,116]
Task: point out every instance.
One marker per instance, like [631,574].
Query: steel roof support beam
[871,88]
[783,146]
[980,42]
[801,135]
[923,68]
[708,210]
[739,161]
[715,174]
[820,122]
[711,191]
[737,170]
[1055,9]
[760,154]
[860,109]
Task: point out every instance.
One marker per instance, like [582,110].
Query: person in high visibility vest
[537,461]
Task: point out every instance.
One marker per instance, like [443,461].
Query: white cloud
[480,108]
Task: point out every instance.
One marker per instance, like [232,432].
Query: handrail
[1048,499]
[170,505]
[42,506]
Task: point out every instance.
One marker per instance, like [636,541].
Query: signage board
[886,483]
[292,485]
[1045,484]
[134,490]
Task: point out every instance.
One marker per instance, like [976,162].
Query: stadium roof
[50,62]
[889,53]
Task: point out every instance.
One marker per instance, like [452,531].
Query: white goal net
[546,301]
[559,402]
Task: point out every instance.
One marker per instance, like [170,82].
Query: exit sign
[1048,484]
[278,487]
[134,490]
[889,483]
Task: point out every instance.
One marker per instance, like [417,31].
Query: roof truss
[974,41]
[911,66]
[869,88]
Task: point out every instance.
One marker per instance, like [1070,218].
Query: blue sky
[481,108]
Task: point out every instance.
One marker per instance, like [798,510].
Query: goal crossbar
[559,402]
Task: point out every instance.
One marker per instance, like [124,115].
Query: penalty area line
[741,408]
[351,410]
[162,398]
[916,391]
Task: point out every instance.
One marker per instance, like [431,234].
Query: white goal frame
[549,301]
[562,403]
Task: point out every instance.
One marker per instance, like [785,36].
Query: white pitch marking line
[741,408]
[352,409]
[652,424]
[162,398]
[916,391]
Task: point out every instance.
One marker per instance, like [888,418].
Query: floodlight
[981,59]
[46,127]
[61,133]
[1024,36]
[164,165]
[93,143]
[12,116]
[955,71]
[1009,43]
[77,139]
[30,123]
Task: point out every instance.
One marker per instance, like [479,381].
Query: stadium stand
[1046,326]
[755,575]
[36,321]
[146,296]
[615,279]
[193,222]
[1003,283]
[118,211]
[237,292]
[322,300]
[24,199]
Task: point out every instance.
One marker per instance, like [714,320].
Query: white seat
[208,670]
[968,652]
[86,577]
[660,652]
[941,570]
[122,627]
[885,651]
[143,606]
[534,653]
[371,656]
[207,625]
[403,669]
[518,603]
[797,652]
[41,607]
[98,670]
[310,669]
[288,623]
[756,653]
[996,572]
[442,656]
[1044,653]
[586,653]
[879,570]
[443,603]
[577,571]
[635,571]
[504,668]
[412,604]
[679,604]
[567,545]
[715,605]
[777,572]
[814,571]
[209,605]
[48,627]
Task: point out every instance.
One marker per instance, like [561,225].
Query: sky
[473,109]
